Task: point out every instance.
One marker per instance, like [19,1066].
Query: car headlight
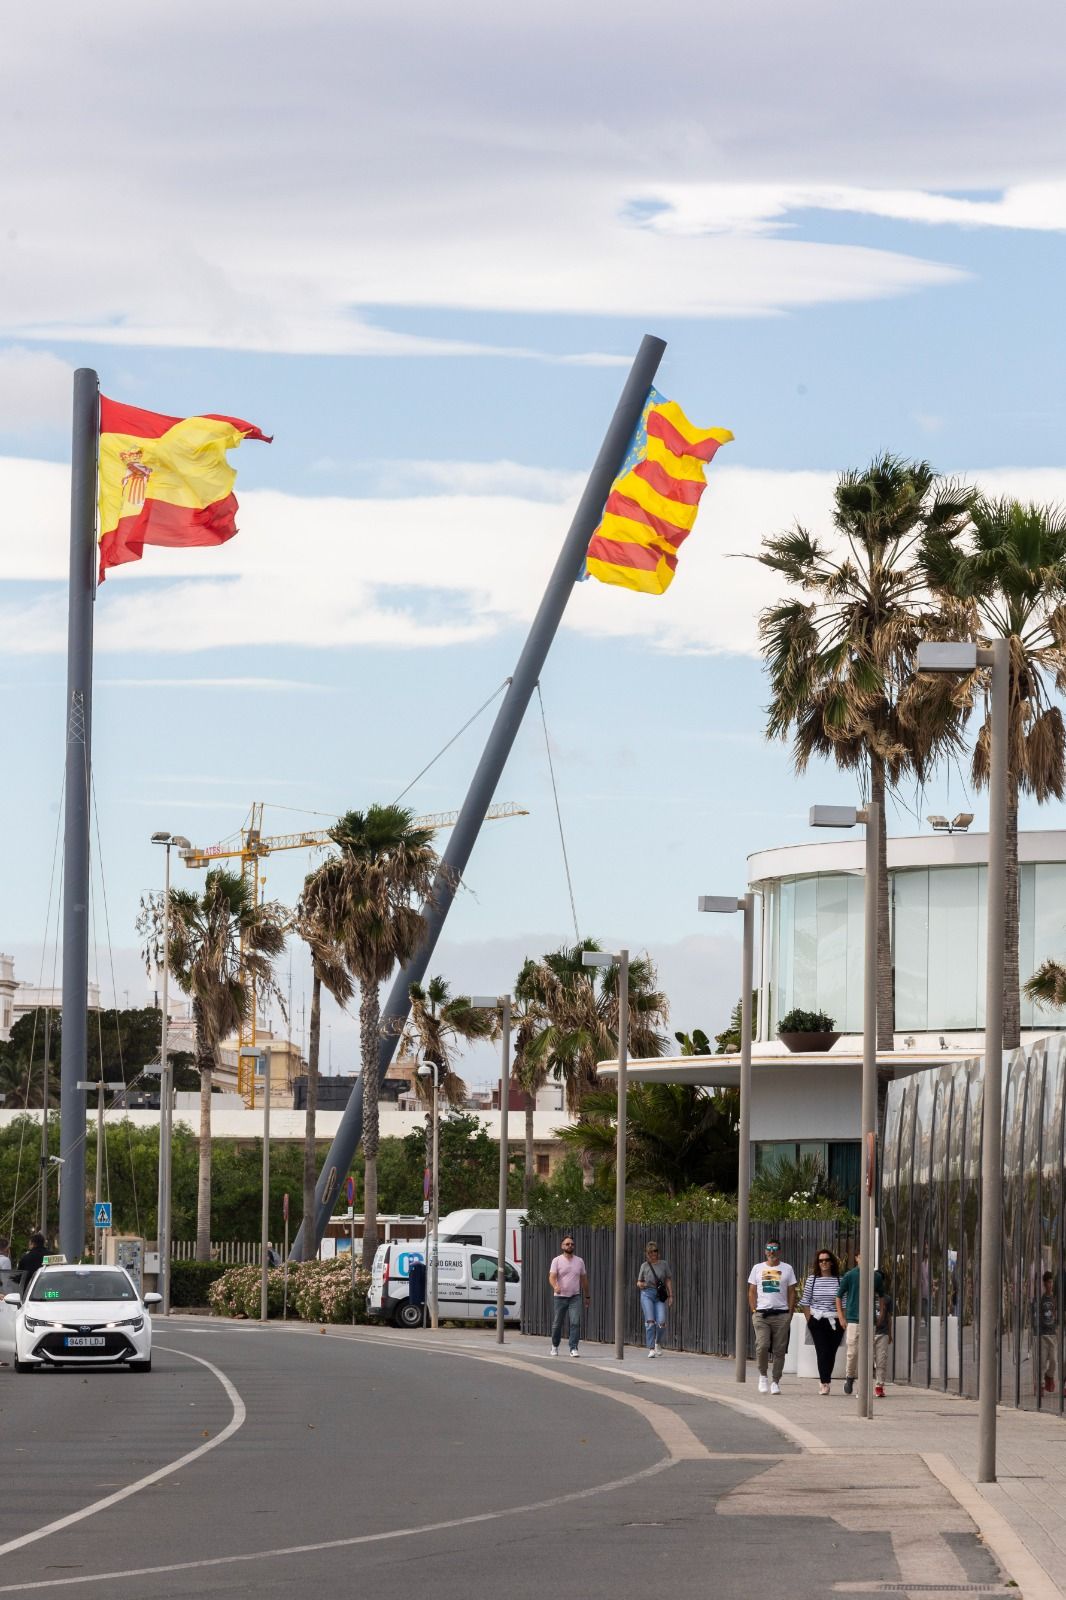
[31,1324]
[136,1323]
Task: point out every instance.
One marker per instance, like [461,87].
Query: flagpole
[494,758]
[73,1057]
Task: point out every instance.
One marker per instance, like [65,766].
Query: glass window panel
[911,948]
[785,918]
[832,950]
[953,920]
[856,945]
[1027,961]
[805,944]
[1048,935]
[982,934]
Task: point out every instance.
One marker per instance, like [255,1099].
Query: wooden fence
[702,1259]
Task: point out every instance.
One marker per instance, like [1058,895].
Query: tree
[327,968]
[437,1021]
[728,1041]
[679,1136]
[695,1043]
[366,893]
[841,655]
[1007,579]
[22,1058]
[217,941]
[528,1069]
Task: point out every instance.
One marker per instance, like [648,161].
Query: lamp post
[602,958]
[727,904]
[959,659]
[166,1097]
[264,1224]
[502,1005]
[99,1084]
[424,1071]
[847,817]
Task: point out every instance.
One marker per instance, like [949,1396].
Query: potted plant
[807,1030]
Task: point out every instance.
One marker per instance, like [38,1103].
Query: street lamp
[602,958]
[728,904]
[166,1097]
[264,1228]
[959,659]
[502,1005]
[101,1086]
[425,1070]
[847,817]
[959,823]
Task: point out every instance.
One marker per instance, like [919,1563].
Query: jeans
[826,1334]
[567,1308]
[771,1338]
[654,1311]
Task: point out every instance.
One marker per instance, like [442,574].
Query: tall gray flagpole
[73,1062]
[494,757]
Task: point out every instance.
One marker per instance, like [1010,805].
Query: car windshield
[75,1285]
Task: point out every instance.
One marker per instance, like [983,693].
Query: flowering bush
[319,1291]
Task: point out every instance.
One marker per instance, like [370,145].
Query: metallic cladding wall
[930,1238]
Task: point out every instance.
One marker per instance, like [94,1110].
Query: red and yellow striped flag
[165,480]
[653,501]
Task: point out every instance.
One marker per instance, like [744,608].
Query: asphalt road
[375,1463]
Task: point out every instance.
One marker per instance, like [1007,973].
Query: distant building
[18,999]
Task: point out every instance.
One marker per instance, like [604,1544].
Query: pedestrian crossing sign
[102,1214]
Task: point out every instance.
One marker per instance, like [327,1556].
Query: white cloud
[34,390]
[417,573]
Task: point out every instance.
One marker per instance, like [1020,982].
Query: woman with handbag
[656,1288]
[818,1304]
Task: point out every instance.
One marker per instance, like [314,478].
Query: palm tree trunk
[886,987]
[205,1062]
[1011,998]
[527,1171]
[369,1038]
[310,1164]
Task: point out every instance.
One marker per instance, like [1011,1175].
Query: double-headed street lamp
[729,904]
[603,958]
[502,1005]
[958,660]
[166,1086]
[847,817]
[427,1069]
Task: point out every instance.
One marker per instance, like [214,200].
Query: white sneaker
[552,1351]
[574,1354]
[775,1388]
[764,1384]
[651,1353]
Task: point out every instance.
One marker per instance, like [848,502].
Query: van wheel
[409,1316]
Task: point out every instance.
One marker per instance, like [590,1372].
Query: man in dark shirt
[31,1259]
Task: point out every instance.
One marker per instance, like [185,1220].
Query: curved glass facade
[815,935]
[930,1241]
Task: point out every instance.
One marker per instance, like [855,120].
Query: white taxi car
[77,1316]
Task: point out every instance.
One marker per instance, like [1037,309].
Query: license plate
[82,1341]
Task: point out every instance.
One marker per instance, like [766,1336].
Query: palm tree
[218,941]
[1007,580]
[366,893]
[528,1070]
[678,1136]
[327,969]
[841,656]
[438,1020]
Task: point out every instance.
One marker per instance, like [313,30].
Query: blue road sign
[102,1214]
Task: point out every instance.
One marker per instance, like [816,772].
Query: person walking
[772,1300]
[1047,1316]
[848,1316]
[570,1287]
[882,1338]
[31,1259]
[656,1285]
[818,1303]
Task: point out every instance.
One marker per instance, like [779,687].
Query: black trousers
[827,1334]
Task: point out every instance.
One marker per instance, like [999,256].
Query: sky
[419,246]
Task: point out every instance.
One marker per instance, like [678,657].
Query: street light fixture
[959,659]
[427,1069]
[847,817]
[166,1085]
[603,958]
[958,824]
[114,1087]
[728,904]
[502,1005]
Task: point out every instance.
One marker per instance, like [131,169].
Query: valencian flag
[165,480]
[653,501]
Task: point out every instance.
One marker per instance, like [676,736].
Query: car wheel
[141,1366]
[408,1316]
[23,1366]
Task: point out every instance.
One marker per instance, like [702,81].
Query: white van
[466,1285]
[483,1227]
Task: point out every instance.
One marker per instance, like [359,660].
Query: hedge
[190,1281]
[319,1291]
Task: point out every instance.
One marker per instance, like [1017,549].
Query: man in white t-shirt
[772,1299]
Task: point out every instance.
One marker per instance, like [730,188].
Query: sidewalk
[1021,1517]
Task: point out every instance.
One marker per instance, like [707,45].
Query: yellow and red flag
[654,499]
[165,480]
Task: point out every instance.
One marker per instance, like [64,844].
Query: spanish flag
[165,480]
[653,501]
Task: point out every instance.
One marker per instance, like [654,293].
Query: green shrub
[319,1291]
[799,1021]
[190,1281]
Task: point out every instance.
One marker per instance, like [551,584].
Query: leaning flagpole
[73,1063]
[493,760]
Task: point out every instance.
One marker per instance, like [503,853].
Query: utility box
[126,1250]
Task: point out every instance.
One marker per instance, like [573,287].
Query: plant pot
[808,1043]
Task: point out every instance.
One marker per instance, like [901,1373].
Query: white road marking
[346,1544]
[1006,1545]
[236,1421]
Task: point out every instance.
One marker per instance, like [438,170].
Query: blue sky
[344,228]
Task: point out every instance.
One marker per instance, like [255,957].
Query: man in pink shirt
[570,1288]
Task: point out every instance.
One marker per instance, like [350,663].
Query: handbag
[661,1291]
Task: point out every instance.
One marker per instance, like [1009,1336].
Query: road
[363,1462]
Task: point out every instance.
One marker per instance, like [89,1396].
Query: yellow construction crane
[253,845]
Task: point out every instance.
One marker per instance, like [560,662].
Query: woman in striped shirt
[818,1304]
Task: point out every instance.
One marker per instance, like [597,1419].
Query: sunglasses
[569,1245]
[827,1259]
